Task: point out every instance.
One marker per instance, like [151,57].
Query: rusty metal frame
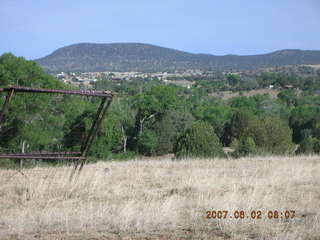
[79,157]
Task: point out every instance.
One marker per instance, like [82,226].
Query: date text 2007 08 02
[254,214]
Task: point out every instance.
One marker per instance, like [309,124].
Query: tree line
[150,118]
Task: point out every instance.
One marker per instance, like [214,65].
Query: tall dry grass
[163,199]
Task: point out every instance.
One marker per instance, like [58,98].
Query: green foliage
[258,104]
[301,118]
[147,142]
[171,125]
[151,106]
[244,146]
[233,79]
[310,142]
[124,87]
[278,136]
[308,145]
[316,146]
[239,126]
[125,156]
[157,100]
[150,117]
[269,134]
[7,163]
[124,116]
[77,131]
[289,97]
[33,120]
[199,141]
[20,72]
[216,114]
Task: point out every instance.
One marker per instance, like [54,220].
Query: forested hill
[91,57]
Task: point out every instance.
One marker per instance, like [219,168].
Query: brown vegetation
[165,199]
[229,94]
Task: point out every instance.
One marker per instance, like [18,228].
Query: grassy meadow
[163,199]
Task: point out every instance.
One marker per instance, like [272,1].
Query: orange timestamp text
[254,214]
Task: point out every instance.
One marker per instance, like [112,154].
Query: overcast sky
[35,28]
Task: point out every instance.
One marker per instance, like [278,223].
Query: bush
[198,141]
[125,156]
[147,142]
[249,134]
[244,147]
[278,136]
[168,129]
[239,126]
[7,163]
[307,145]
[316,146]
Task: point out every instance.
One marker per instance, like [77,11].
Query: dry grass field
[163,199]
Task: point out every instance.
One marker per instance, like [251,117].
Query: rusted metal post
[28,156]
[58,91]
[5,106]
[104,105]
[47,154]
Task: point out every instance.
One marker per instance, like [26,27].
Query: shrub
[307,145]
[239,126]
[125,156]
[268,134]
[7,163]
[198,141]
[278,136]
[168,129]
[316,146]
[244,146]
[147,142]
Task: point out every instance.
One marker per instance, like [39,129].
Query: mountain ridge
[140,57]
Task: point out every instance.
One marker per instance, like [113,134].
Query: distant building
[288,86]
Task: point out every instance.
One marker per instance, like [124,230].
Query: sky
[35,28]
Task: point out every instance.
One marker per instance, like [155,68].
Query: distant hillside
[91,57]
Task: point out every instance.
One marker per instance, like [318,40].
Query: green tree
[244,146]
[301,118]
[147,142]
[153,103]
[169,127]
[289,97]
[278,136]
[198,141]
[33,121]
[239,126]
[125,118]
[233,79]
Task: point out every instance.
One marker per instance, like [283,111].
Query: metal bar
[105,103]
[94,128]
[84,147]
[57,91]
[40,157]
[5,106]
[44,153]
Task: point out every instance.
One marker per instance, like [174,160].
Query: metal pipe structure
[58,91]
[78,156]
[6,106]
[31,156]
